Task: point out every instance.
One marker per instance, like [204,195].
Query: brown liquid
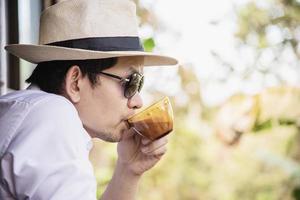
[152,130]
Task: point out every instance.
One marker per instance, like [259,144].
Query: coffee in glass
[155,121]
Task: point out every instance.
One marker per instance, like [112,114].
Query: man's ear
[73,83]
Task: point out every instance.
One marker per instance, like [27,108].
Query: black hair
[49,76]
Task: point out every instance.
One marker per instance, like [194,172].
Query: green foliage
[296,193]
[268,124]
[262,126]
[149,44]
[287,122]
[254,21]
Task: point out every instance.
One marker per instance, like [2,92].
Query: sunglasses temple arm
[115,76]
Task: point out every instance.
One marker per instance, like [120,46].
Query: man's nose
[135,102]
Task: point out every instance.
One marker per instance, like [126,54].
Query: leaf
[262,126]
[149,44]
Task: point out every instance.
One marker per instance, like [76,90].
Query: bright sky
[192,37]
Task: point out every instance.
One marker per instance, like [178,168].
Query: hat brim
[41,53]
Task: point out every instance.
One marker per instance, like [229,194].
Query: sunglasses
[132,84]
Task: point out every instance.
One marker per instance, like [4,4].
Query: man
[86,84]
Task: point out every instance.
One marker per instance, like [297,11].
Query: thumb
[128,134]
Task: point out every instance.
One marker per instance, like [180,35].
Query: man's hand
[139,154]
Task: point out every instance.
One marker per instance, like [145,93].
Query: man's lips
[124,119]
[126,124]
[128,116]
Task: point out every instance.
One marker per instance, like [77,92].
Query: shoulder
[38,116]
[48,147]
[51,114]
[36,107]
[30,102]
[51,105]
[31,98]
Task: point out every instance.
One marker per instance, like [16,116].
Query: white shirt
[44,149]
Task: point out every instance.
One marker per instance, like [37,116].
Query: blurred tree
[271,29]
[256,20]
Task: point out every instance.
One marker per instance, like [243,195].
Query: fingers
[128,134]
[145,141]
[157,147]
[157,152]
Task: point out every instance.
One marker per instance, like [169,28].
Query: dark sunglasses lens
[134,85]
[141,84]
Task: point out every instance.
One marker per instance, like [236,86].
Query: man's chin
[113,136]
[106,136]
[109,138]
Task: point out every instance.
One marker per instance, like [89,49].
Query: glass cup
[155,121]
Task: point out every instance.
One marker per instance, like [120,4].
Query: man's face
[103,108]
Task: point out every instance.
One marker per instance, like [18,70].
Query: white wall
[3,54]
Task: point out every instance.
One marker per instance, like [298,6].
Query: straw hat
[88,29]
